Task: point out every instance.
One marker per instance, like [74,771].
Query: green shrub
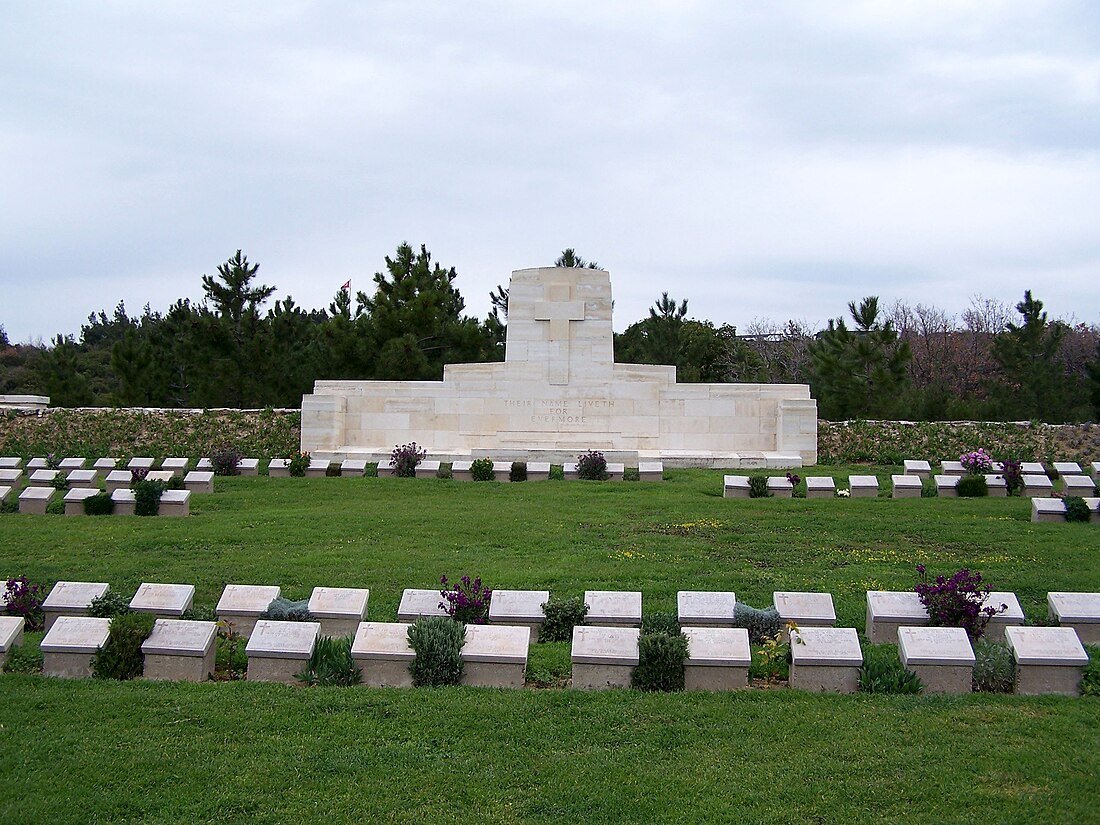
[10,504]
[886,674]
[332,470]
[482,469]
[101,504]
[762,625]
[1077,509]
[592,466]
[928,489]
[24,659]
[59,482]
[518,472]
[758,487]
[562,615]
[203,613]
[331,664]
[1090,678]
[282,609]
[147,496]
[437,642]
[110,604]
[226,461]
[661,623]
[632,474]
[372,470]
[298,464]
[972,486]
[56,507]
[660,662]
[121,657]
[994,668]
[557,472]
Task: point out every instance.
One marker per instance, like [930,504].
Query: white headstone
[705,608]
[416,603]
[613,608]
[167,600]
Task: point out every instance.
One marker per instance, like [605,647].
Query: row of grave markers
[604,649]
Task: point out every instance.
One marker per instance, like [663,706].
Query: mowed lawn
[139,752]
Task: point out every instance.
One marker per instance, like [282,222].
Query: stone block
[1068,468]
[37,463]
[495,655]
[84,478]
[521,608]
[1096,469]
[11,634]
[175,503]
[820,487]
[36,499]
[1048,509]
[118,480]
[1048,660]
[339,609]
[780,487]
[919,468]
[124,500]
[74,499]
[751,460]
[906,486]
[105,465]
[278,651]
[603,657]
[416,603]
[651,471]
[353,467]
[10,476]
[165,601]
[538,470]
[44,478]
[735,487]
[718,658]
[1079,485]
[385,467]
[941,656]
[383,651]
[825,659]
[615,470]
[700,608]
[279,468]
[502,471]
[176,466]
[1034,468]
[613,608]
[199,481]
[782,461]
[5,491]
[427,469]
[805,609]
[181,651]
[1080,611]
[10,462]
[141,463]
[240,605]
[887,610]
[317,468]
[952,468]
[946,486]
[248,466]
[863,486]
[1036,486]
[996,485]
[569,470]
[71,599]
[67,464]
[70,645]
[1014,615]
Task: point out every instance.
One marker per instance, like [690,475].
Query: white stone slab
[246,599]
[613,608]
[914,467]
[178,637]
[35,499]
[1079,485]
[385,467]
[1032,468]
[339,603]
[141,463]
[952,468]
[167,600]
[502,471]
[74,499]
[946,485]
[804,608]
[11,634]
[751,460]
[863,486]
[569,470]
[502,644]
[246,467]
[1074,608]
[538,470]
[604,645]
[67,464]
[1068,468]
[175,503]
[279,468]
[388,641]
[651,470]
[124,500]
[5,491]
[1096,469]
[44,478]
[105,465]
[887,610]
[416,603]
[826,647]
[780,486]
[1046,646]
[204,464]
[282,640]
[735,486]
[118,479]
[353,467]
[37,463]
[820,487]
[84,478]
[1037,485]
[1048,510]
[73,598]
[10,462]
[615,470]
[518,606]
[718,646]
[782,461]
[906,486]
[199,481]
[996,485]
[317,467]
[76,634]
[427,469]
[10,476]
[949,646]
[705,608]
[175,465]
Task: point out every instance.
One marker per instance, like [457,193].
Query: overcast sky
[763,160]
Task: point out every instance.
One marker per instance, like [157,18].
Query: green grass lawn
[138,752]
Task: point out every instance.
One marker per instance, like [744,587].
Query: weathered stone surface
[67,464]
[416,603]
[780,486]
[383,651]
[1048,510]
[495,655]
[279,468]
[70,644]
[10,462]
[614,608]
[339,609]
[141,463]
[820,487]
[277,651]
[996,485]
[906,486]
[1068,468]
[538,470]
[74,500]
[240,605]
[651,471]
[718,658]
[703,608]
[199,481]
[603,657]
[863,486]
[1037,485]
[167,601]
[887,610]
[118,480]
[124,500]
[11,634]
[84,478]
[1014,615]
[1081,611]
[1048,660]
[428,468]
[940,656]
[353,467]
[1034,468]
[735,486]
[5,491]
[37,463]
[1079,485]
[44,478]
[176,466]
[946,486]
[782,461]
[175,503]
[248,466]
[71,599]
[825,659]
[522,608]
[36,499]
[105,465]
[10,476]
[915,467]
[952,468]
[179,650]
[805,609]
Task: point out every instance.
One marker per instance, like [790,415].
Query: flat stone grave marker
[614,608]
[1035,468]
[863,486]
[199,481]
[71,599]
[495,655]
[1096,469]
[353,467]
[11,634]
[165,601]
[1048,660]
[502,471]
[782,461]
[1093,503]
[416,603]
[44,477]
[1079,485]
[141,463]
[996,485]
[913,467]
[735,487]
[72,464]
[175,465]
[651,471]
[615,470]
[952,468]
[825,659]
[462,470]
[118,480]
[385,467]
[105,465]
[603,657]
[995,629]
[240,605]
[74,499]
[248,466]
[906,486]
[820,487]
[5,491]
[317,467]
[10,462]
[427,469]
[339,609]
[703,608]
[37,463]
[279,468]
[569,470]
[941,657]
[35,499]
[175,503]
[887,610]
[805,609]
[538,470]
[1048,509]
[10,476]
[383,651]
[277,651]
[1037,485]
[70,644]
[1081,611]
[204,464]
[181,651]
[780,487]
[84,478]
[522,608]
[125,501]
[718,658]
[1068,468]
[947,486]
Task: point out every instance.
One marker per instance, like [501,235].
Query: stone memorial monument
[558,393]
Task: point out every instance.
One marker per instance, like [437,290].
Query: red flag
[347,285]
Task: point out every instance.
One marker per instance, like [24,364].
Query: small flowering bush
[1014,478]
[226,461]
[845,493]
[298,464]
[957,601]
[794,478]
[482,469]
[976,462]
[53,462]
[138,474]
[592,466]
[467,600]
[21,598]
[405,458]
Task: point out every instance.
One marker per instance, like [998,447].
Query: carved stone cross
[559,311]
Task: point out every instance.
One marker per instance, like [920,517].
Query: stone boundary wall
[95,432]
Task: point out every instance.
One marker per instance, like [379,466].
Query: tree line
[228,350]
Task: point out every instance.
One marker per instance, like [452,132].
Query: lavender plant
[405,458]
[592,466]
[467,600]
[958,601]
[976,462]
[22,598]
